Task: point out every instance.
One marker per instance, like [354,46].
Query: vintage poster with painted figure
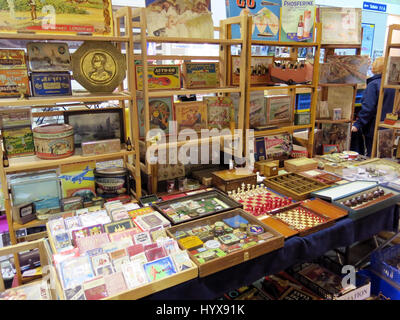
[77,179]
[336,134]
[265,16]
[297,21]
[57,16]
[179,18]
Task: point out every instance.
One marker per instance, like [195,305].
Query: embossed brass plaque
[98,66]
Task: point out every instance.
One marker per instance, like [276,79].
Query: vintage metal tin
[111,182]
[12,81]
[54,141]
[12,59]
[48,56]
[51,84]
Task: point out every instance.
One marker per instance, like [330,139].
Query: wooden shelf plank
[164,93]
[284,44]
[30,224]
[280,130]
[392,86]
[332,121]
[338,85]
[280,87]
[62,37]
[76,97]
[194,40]
[33,162]
[388,126]
[340,46]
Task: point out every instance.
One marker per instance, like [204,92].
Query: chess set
[220,241]
[258,200]
[294,185]
[360,198]
[303,218]
[195,206]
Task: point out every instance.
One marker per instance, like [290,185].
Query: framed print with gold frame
[98,66]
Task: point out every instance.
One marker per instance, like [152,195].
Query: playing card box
[226,259]
[228,180]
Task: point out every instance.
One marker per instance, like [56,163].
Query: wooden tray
[294,185]
[164,206]
[228,180]
[322,176]
[233,258]
[289,230]
[300,164]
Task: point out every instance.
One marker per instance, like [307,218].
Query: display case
[195,206]
[294,185]
[360,198]
[223,240]
[304,218]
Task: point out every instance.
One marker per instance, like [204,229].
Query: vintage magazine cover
[161,111]
[278,146]
[177,18]
[297,21]
[385,143]
[336,134]
[258,116]
[57,16]
[191,115]
[77,179]
[265,16]
[219,112]
[340,25]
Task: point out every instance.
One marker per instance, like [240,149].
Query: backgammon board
[294,185]
[258,200]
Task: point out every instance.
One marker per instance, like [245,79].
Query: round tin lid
[53,128]
[111,171]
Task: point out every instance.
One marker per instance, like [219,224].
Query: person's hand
[354,129]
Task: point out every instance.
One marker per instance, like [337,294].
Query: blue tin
[51,83]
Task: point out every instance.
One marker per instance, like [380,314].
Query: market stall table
[296,250]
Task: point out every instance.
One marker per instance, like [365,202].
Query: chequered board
[300,218]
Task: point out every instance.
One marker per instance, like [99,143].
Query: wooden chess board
[258,200]
[294,185]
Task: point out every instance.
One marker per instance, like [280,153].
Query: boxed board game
[226,239]
[360,198]
[304,218]
[159,77]
[201,75]
[294,185]
[195,206]
[229,180]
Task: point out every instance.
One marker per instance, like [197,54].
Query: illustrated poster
[297,21]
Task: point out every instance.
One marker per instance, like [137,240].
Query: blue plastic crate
[379,263]
[381,287]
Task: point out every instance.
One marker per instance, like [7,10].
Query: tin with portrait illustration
[54,141]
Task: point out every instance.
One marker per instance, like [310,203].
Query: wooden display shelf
[61,37]
[392,86]
[389,126]
[33,162]
[284,44]
[30,224]
[165,93]
[277,87]
[269,132]
[338,84]
[190,40]
[340,46]
[75,97]
[332,121]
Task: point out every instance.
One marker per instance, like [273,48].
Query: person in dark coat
[365,122]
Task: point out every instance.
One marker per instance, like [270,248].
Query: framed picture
[340,25]
[201,74]
[96,124]
[393,73]
[279,109]
[260,70]
[72,17]
[330,148]
[191,115]
[161,112]
[337,114]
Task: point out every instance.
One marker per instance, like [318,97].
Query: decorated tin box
[111,182]
[24,213]
[13,82]
[48,56]
[54,141]
[101,147]
[160,77]
[51,84]
[71,203]
[41,188]
[18,141]
[201,74]
[12,59]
